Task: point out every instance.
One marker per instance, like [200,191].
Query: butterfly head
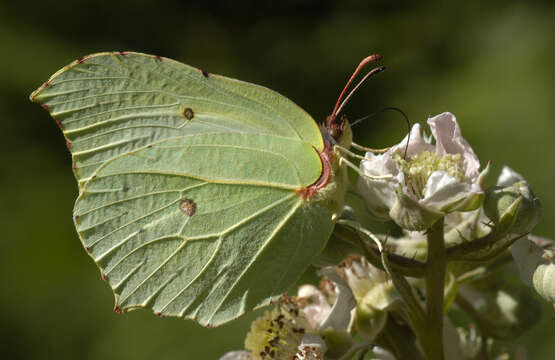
[336,128]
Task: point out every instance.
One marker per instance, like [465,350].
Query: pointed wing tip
[84,59]
[34,94]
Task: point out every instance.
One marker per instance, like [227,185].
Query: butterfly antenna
[390,108]
[340,102]
[371,73]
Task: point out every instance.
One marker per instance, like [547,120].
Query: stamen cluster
[277,334]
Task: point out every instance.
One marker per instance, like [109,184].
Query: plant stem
[436,262]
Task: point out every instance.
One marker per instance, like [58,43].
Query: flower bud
[536,265]
[500,205]
[374,293]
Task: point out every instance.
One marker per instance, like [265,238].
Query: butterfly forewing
[112,103]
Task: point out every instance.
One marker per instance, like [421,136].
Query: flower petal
[379,194]
[444,193]
[449,140]
[508,177]
[527,256]
[236,355]
[340,317]
[318,310]
[417,143]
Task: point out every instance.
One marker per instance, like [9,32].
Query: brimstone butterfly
[200,196]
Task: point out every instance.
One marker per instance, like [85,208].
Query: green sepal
[369,321]
[338,342]
[410,215]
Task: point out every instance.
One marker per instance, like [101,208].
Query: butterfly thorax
[331,185]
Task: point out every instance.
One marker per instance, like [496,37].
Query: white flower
[292,329]
[374,292]
[431,181]
[371,286]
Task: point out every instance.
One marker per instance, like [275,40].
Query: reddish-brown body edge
[326,158]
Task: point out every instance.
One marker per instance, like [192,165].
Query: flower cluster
[372,304]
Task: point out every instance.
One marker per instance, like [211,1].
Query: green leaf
[190,184]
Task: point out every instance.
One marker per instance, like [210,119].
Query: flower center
[277,334]
[418,169]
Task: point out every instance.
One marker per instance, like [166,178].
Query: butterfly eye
[334,133]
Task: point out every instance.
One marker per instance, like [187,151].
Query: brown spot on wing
[188,206]
[188,113]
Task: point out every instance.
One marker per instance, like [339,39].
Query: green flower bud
[500,205]
[536,264]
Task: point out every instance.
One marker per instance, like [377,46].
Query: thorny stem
[436,263]
[460,252]
[347,231]
[463,251]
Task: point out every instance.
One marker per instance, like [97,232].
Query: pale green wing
[111,103]
[234,249]
[188,184]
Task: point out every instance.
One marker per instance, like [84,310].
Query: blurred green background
[490,63]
